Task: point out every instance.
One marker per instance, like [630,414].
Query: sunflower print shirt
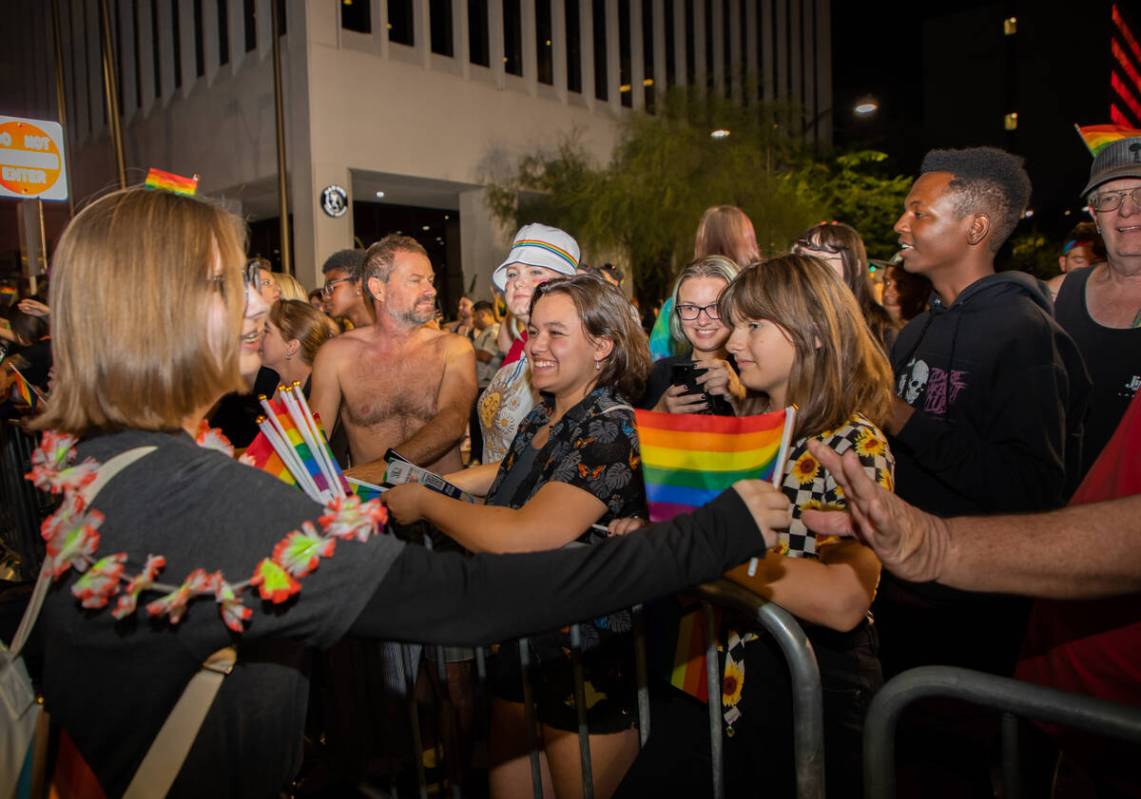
[808,485]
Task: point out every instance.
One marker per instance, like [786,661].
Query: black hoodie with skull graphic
[999,392]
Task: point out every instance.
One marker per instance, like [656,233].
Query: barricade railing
[807,698]
[1011,697]
[21,504]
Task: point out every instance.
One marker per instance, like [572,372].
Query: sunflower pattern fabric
[808,485]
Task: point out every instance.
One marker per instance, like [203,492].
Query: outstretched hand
[33,307]
[912,544]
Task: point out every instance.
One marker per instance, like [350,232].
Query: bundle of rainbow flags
[687,460]
[293,448]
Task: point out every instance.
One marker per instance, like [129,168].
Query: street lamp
[866,106]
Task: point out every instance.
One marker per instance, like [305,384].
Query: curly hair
[986,180]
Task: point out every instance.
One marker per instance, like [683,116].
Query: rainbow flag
[662,344]
[265,457]
[24,390]
[688,459]
[168,181]
[295,461]
[1098,137]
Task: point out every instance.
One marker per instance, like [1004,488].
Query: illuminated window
[1010,121]
[1010,26]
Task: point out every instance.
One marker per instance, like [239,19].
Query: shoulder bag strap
[168,752]
[104,474]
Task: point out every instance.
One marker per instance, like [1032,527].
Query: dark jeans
[759,756]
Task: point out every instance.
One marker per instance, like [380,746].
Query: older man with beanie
[1101,307]
[538,254]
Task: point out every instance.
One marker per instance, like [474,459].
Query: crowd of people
[953,390]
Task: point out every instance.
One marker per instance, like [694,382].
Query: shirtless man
[397,383]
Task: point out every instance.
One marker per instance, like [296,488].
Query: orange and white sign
[31,159]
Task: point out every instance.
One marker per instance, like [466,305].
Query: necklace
[72,538]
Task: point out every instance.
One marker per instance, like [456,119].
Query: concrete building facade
[420,100]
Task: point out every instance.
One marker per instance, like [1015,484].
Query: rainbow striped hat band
[540,245]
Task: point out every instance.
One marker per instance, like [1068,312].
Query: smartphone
[686,374]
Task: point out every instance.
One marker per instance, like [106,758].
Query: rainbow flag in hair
[168,181]
[687,460]
[1098,137]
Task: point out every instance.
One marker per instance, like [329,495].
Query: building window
[199,41]
[671,44]
[1010,121]
[118,47]
[512,37]
[709,43]
[177,43]
[648,54]
[250,15]
[727,45]
[223,32]
[138,55]
[625,73]
[1010,26]
[356,16]
[282,28]
[574,47]
[156,49]
[544,46]
[598,12]
[477,33]
[440,22]
[690,45]
[400,26]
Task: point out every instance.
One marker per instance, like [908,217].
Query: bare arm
[476,480]
[1043,554]
[446,429]
[557,514]
[834,591]
[325,388]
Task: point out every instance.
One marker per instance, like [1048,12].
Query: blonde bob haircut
[839,368]
[715,266]
[147,298]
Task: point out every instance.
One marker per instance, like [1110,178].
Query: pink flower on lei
[348,517]
[129,599]
[96,587]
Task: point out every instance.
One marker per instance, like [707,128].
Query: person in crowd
[462,326]
[799,338]
[267,285]
[700,335]
[841,247]
[1101,307]
[1085,635]
[904,295]
[317,299]
[1082,249]
[294,332]
[573,463]
[289,287]
[539,253]
[343,290]
[991,394]
[397,383]
[725,230]
[31,335]
[487,361]
[111,684]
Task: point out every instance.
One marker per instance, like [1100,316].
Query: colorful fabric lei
[72,538]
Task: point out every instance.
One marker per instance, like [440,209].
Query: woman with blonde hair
[294,332]
[185,551]
[290,287]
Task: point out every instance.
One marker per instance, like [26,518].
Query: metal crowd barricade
[21,504]
[808,723]
[1011,697]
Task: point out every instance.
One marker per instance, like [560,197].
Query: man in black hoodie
[987,419]
[991,392]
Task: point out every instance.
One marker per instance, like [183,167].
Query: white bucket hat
[540,245]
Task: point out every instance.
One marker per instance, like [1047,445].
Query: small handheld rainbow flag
[1098,137]
[27,392]
[168,181]
[687,460]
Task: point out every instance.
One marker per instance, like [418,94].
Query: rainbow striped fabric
[688,459]
[265,457]
[1098,137]
[168,181]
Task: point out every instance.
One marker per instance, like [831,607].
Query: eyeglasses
[330,286]
[1112,200]
[690,313]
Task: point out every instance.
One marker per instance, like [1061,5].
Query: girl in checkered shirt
[799,339]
